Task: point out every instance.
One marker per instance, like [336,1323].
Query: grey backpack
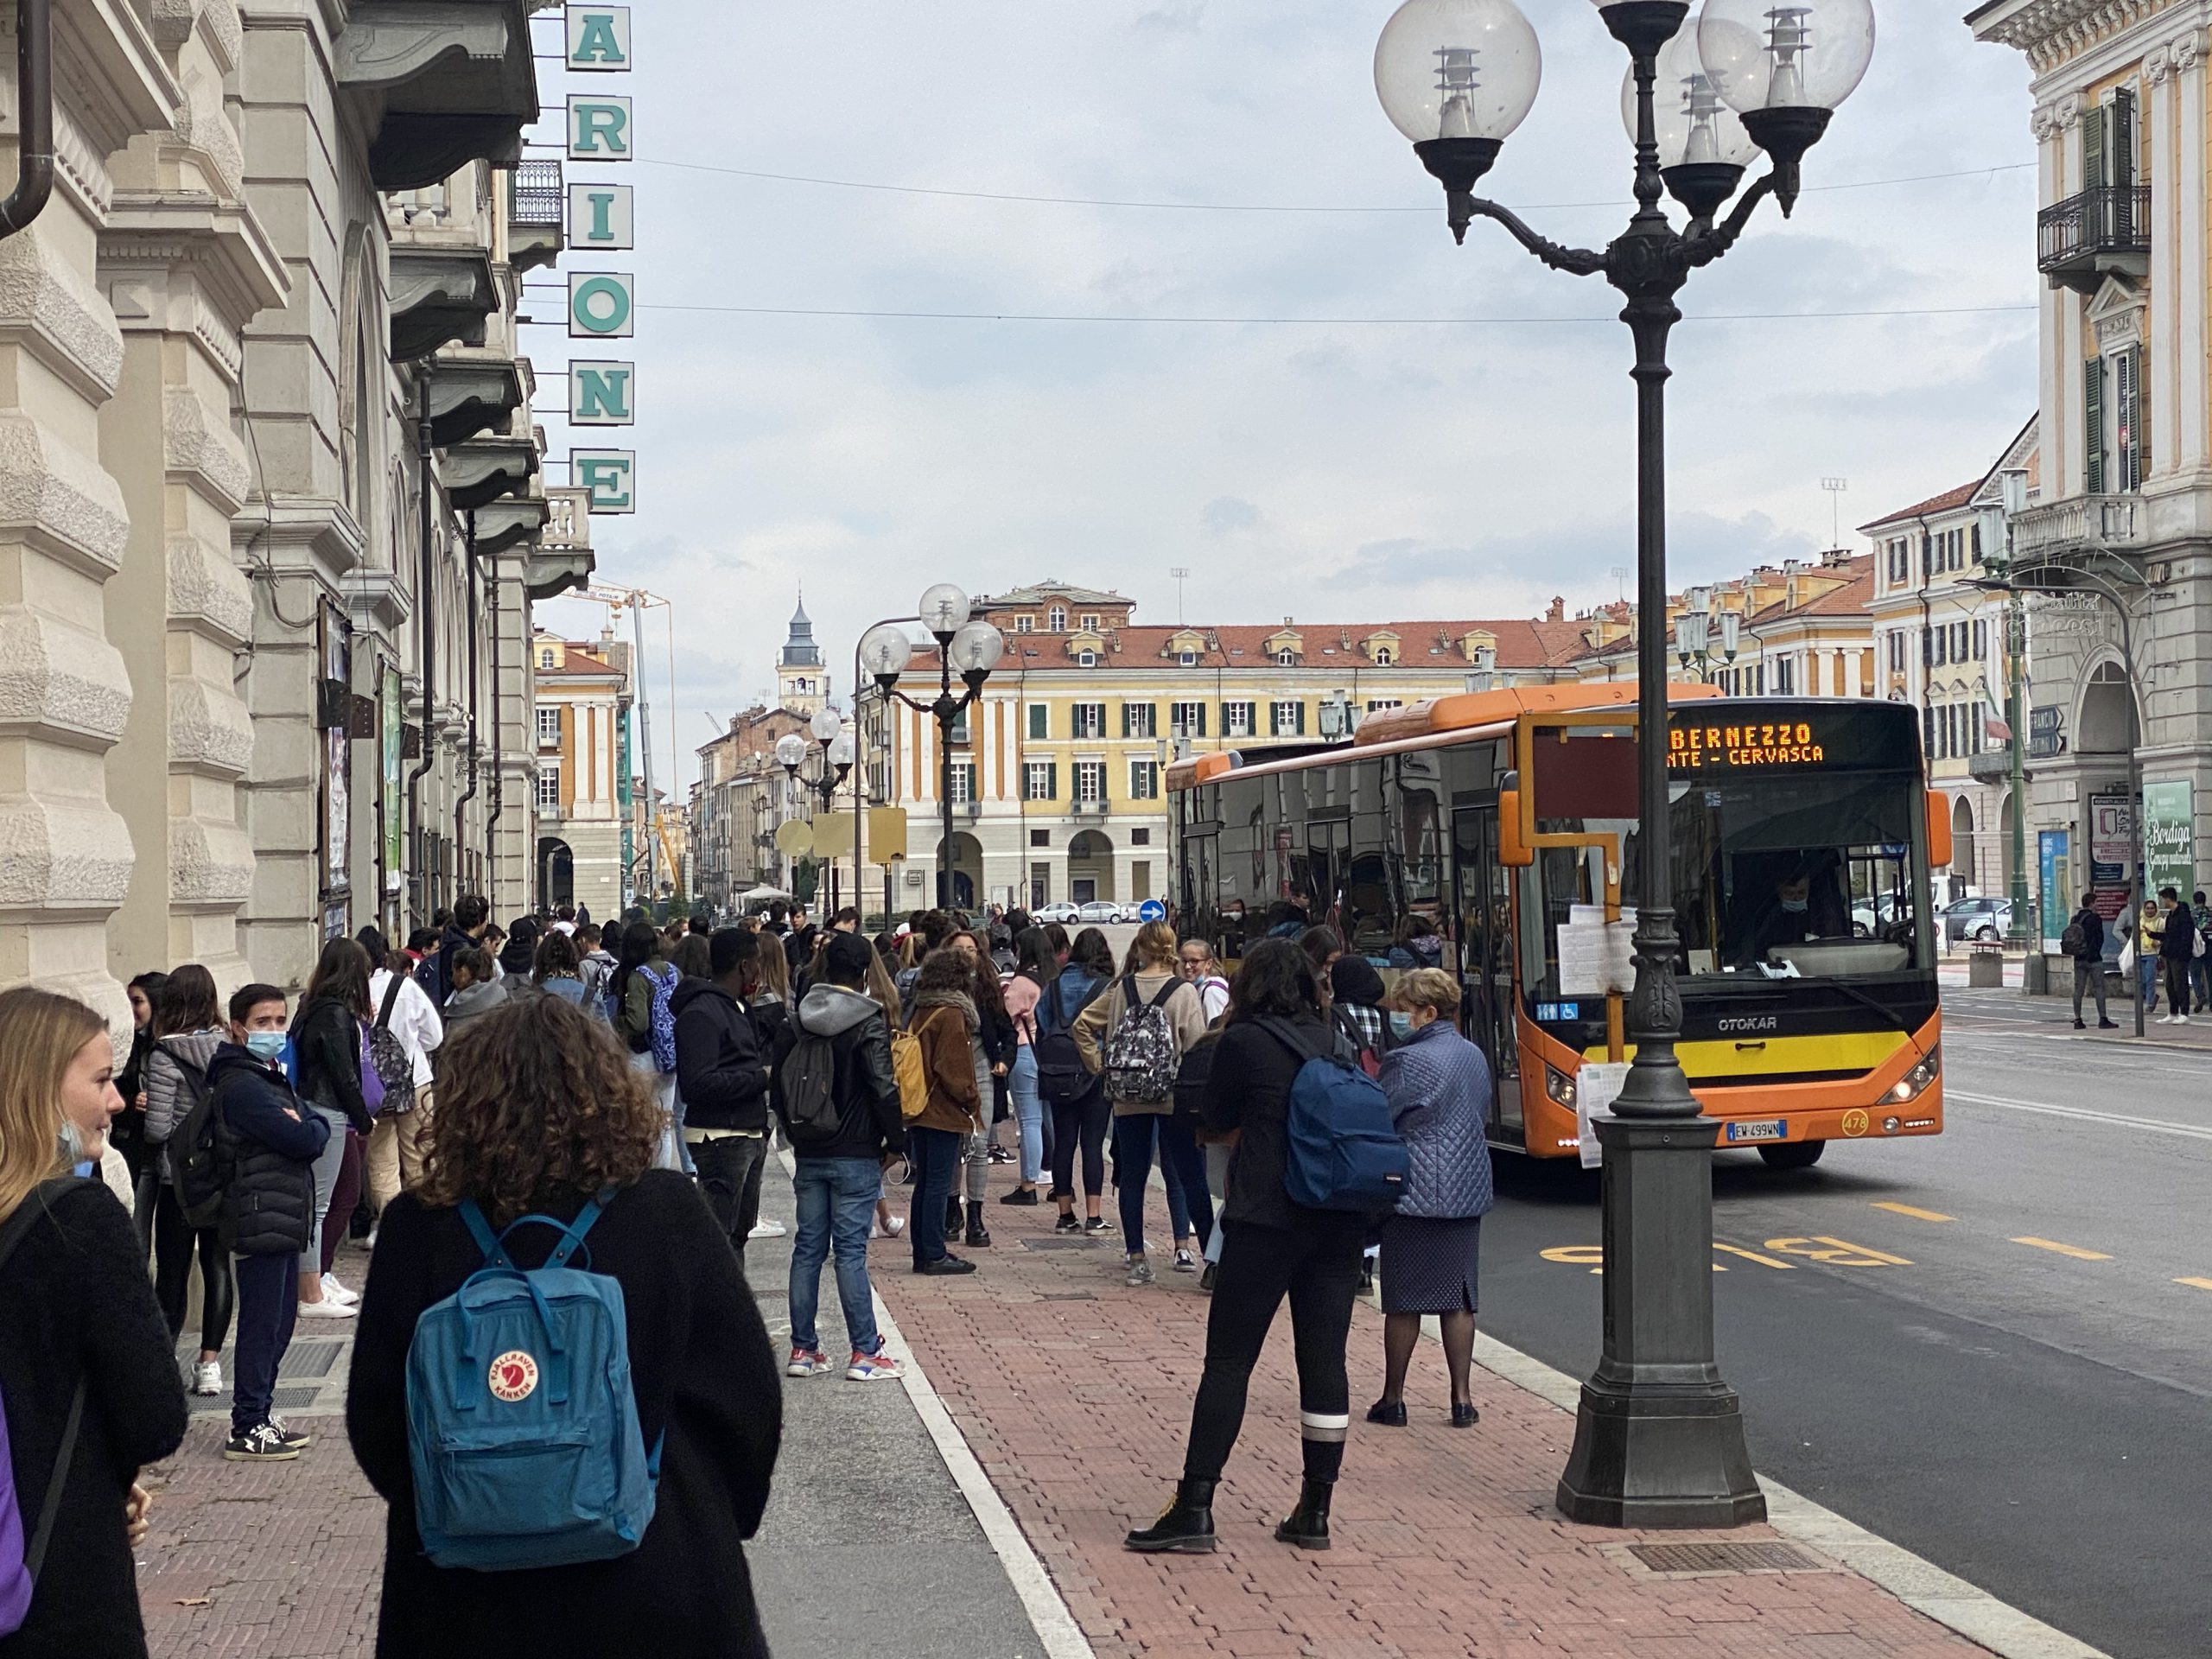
[1140,1057]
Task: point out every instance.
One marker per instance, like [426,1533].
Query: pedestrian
[2200,970]
[538,1114]
[1438,1086]
[639,998]
[471,921]
[2150,938]
[128,1132]
[595,966]
[557,971]
[799,943]
[1417,944]
[2084,940]
[495,947]
[564,921]
[837,1098]
[329,1042]
[997,1037]
[1355,1005]
[1322,946]
[2178,944]
[1034,970]
[946,1024]
[1134,1037]
[518,955]
[188,1029]
[1082,1116]
[87,1371]
[721,1069]
[1275,1249]
[1196,962]
[477,989]
[268,1212]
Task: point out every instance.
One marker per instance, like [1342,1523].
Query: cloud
[1173,16]
[1225,515]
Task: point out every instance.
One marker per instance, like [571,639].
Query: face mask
[265,1045]
[1401,1026]
[1794,906]
[72,1144]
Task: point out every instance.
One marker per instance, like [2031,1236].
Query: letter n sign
[599,129]
[609,475]
[598,38]
[600,394]
[602,305]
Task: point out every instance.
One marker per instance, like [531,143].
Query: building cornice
[2054,32]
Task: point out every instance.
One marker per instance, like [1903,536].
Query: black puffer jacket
[328,1039]
[720,1062]
[269,1208]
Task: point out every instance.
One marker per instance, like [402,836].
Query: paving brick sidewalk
[1075,1393]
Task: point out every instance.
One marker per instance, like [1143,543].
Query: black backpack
[1061,1077]
[806,1090]
[1192,1081]
[202,1153]
[2073,941]
[395,1066]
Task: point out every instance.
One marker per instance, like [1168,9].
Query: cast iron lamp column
[837,752]
[1659,1438]
[972,649]
[1694,636]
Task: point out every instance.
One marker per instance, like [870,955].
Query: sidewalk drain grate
[1060,1244]
[1067,1296]
[293,1399]
[310,1359]
[1723,1558]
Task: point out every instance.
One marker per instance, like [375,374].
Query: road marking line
[1917,1214]
[2074,1250]
[1753,1256]
[2153,1125]
[2201,1284]
[1840,1253]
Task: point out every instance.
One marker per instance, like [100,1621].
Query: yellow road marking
[1838,1252]
[2074,1250]
[1753,1256]
[2202,1284]
[1917,1214]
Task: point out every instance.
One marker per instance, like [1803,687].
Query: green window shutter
[1039,722]
[1125,720]
[2120,140]
[1301,720]
[1201,710]
[2093,134]
[2092,425]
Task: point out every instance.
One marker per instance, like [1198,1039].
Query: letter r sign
[599,129]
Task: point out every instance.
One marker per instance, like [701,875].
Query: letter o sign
[602,306]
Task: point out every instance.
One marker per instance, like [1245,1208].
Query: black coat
[2093,934]
[269,1205]
[863,1084]
[2178,941]
[1249,1092]
[721,1065]
[77,1304]
[328,1039]
[703,1373]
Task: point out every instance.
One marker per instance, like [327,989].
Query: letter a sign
[598,38]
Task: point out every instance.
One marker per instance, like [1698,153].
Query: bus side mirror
[1511,852]
[1939,831]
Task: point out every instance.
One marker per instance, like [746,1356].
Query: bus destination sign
[1736,747]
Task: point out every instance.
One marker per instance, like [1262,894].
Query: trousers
[173,1245]
[396,1151]
[268,1299]
[1133,1135]
[2090,976]
[936,1156]
[1080,1126]
[837,1201]
[730,1168]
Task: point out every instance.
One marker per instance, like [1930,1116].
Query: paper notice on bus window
[1597,1086]
[1595,955]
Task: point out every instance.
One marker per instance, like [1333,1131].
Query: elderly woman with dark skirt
[1439,1089]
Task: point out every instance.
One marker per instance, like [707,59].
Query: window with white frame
[1024,624]
[1144,780]
[1088,718]
[1186,658]
[549,726]
[1186,720]
[545,656]
[1236,719]
[1286,719]
[1086,660]
[1138,720]
[1376,703]
[1384,655]
[1089,624]
[1057,619]
[548,789]
[1040,780]
[1286,658]
[963,782]
[1089,782]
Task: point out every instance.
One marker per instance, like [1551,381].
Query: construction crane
[637,602]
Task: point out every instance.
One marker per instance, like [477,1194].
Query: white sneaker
[766,1229]
[338,1293]
[2180,1019]
[207,1377]
[328,1308]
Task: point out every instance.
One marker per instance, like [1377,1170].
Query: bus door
[1485,907]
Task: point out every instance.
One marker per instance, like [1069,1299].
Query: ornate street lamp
[835,748]
[1696,636]
[972,650]
[1659,1439]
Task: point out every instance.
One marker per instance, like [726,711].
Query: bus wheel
[1794,1155]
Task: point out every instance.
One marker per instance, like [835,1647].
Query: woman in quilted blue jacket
[1439,1089]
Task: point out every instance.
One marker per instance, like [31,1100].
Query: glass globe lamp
[976,648]
[1784,66]
[1703,147]
[885,652]
[791,750]
[1457,77]
[944,610]
[825,724]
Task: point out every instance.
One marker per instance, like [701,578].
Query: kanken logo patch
[514,1376]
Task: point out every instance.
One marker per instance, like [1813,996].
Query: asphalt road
[1993,1347]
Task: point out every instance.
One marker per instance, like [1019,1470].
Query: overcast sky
[1351,457]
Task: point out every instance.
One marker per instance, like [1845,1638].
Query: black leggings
[1316,1267]
[174,1243]
[1084,1122]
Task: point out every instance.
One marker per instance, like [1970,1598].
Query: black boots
[979,1236]
[1187,1527]
[951,1218]
[1307,1525]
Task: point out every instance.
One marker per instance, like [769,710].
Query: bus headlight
[1559,1086]
[1915,1081]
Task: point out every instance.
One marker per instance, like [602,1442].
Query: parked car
[1870,917]
[1058,911]
[1099,910]
[1984,919]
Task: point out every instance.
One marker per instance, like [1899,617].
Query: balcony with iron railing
[1092,809]
[536,206]
[2102,232]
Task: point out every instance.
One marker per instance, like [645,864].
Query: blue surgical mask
[266,1045]
[1794,906]
[1401,1026]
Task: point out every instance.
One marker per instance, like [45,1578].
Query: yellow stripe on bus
[1782,1056]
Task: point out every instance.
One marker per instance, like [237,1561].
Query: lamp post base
[1659,1436]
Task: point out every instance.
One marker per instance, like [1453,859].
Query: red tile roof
[1950,501]
[1521,644]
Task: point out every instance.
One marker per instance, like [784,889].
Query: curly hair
[535,1099]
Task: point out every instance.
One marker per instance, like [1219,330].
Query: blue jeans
[2146,980]
[1179,1148]
[837,1201]
[268,1299]
[1029,1111]
[936,1155]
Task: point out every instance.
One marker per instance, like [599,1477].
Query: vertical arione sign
[602,217]
[2170,837]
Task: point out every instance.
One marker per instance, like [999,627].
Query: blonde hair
[775,969]
[39,1034]
[1154,944]
[882,987]
[1425,987]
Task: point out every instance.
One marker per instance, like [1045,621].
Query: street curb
[1049,1616]
[1918,1583]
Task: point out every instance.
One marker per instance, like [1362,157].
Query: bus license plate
[1777,1128]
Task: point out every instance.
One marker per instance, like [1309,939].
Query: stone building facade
[281,250]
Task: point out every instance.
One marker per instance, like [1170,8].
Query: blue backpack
[522,1427]
[1341,1150]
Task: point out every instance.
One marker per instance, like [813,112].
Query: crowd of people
[473,1103]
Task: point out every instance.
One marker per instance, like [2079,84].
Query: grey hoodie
[865,1086]
[167,1099]
[474,1002]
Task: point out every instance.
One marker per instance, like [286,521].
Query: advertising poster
[2055,864]
[2170,836]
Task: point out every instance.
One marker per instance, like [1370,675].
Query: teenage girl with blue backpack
[561,1385]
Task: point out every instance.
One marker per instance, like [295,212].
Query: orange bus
[1472,832]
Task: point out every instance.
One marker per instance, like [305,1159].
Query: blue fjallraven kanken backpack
[522,1427]
[1341,1150]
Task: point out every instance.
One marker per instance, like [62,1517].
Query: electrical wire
[1307,323]
[1251,207]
